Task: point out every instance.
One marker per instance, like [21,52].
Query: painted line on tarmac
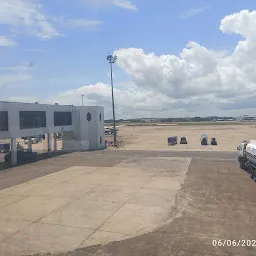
[216,159]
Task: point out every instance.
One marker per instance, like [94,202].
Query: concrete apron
[83,206]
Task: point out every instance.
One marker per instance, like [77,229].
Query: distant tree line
[173,119]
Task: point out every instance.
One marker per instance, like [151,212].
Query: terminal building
[247,118]
[82,127]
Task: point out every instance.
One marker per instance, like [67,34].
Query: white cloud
[125,4]
[242,23]
[193,12]
[126,84]
[83,23]
[25,16]
[198,81]
[6,42]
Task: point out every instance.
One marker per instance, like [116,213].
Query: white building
[82,127]
[247,118]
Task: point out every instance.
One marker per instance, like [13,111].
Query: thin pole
[82,99]
[113,103]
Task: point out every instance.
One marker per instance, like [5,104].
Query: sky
[174,58]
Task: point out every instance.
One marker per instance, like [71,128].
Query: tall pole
[113,103]
[82,99]
[112,59]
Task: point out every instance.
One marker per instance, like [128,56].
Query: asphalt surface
[216,202]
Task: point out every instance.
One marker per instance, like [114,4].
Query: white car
[33,139]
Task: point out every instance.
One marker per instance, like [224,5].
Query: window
[89,116]
[100,116]
[32,119]
[62,118]
[3,121]
[100,140]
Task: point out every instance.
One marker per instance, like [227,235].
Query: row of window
[37,119]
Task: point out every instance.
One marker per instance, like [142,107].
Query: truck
[172,140]
[204,139]
[247,157]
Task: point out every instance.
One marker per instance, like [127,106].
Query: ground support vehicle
[247,157]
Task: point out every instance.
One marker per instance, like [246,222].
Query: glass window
[62,118]
[3,121]
[88,116]
[32,119]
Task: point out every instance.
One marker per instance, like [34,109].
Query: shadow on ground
[39,157]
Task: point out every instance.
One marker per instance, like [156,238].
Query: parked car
[34,140]
[108,131]
[213,141]
[183,140]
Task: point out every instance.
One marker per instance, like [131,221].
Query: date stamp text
[235,243]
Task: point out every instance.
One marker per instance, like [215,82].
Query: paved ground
[216,201]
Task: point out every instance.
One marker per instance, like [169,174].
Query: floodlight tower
[112,59]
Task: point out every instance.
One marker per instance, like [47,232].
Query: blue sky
[87,30]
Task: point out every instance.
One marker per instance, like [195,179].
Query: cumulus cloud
[25,16]
[6,42]
[198,81]
[198,77]
[242,23]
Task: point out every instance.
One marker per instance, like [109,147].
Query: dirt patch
[155,137]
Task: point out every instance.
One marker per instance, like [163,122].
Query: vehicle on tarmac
[183,140]
[172,141]
[110,131]
[247,157]
[204,139]
[214,141]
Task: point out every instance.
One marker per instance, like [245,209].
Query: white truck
[247,157]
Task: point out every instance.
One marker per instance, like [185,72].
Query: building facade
[82,127]
[247,118]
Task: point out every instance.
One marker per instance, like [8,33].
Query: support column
[49,140]
[13,152]
[29,144]
[55,142]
